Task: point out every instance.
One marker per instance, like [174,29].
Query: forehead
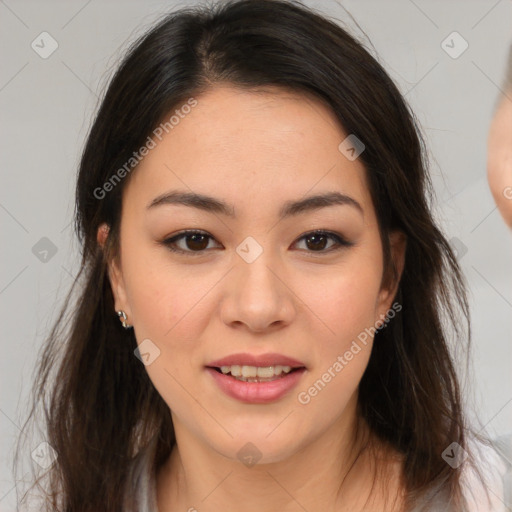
[251,147]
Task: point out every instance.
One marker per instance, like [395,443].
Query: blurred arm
[499,145]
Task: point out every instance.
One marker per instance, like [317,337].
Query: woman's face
[254,281]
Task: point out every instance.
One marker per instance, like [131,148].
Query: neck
[332,473]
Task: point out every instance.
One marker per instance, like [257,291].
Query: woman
[264,297]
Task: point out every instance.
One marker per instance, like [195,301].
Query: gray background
[47,107]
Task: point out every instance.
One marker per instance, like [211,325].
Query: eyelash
[340,241]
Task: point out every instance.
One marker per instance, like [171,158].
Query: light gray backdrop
[47,101]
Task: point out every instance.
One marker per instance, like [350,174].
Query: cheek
[345,301]
[345,298]
[347,307]
[168,308]
[172,306]
[164,296]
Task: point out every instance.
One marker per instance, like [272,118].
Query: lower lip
[256,392]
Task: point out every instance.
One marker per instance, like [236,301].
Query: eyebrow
[289,208]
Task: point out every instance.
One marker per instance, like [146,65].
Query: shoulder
[485,479]
[486,474]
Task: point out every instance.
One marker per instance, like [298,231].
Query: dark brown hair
[99,404]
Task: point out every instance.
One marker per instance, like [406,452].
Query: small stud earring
[123,318]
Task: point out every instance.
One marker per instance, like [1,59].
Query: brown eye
[324,241]
[196,242]
[316,242]
[189,242]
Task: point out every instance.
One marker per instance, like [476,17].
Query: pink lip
[270,359]
[256,392]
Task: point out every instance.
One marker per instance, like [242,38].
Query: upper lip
[269,359]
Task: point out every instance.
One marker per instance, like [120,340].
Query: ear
[390,282]
[115,274]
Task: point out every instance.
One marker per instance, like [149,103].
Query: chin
[259,449]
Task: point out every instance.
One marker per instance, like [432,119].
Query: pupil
[315,239]
[197,242]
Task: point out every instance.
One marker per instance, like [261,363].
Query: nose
[257,297]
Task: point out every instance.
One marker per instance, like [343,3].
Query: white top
[495,469]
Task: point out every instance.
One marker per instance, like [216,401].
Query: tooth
[248,371]
[236,370]
[266,372]
[244,372]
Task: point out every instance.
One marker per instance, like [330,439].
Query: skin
[499,157]
[255,151]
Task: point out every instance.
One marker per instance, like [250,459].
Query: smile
[256,373]
[257,385]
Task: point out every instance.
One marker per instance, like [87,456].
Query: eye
[318,241]
[195,242]
[192,241]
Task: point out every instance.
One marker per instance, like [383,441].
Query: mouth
[256,379]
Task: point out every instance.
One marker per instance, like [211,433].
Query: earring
[123,317]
